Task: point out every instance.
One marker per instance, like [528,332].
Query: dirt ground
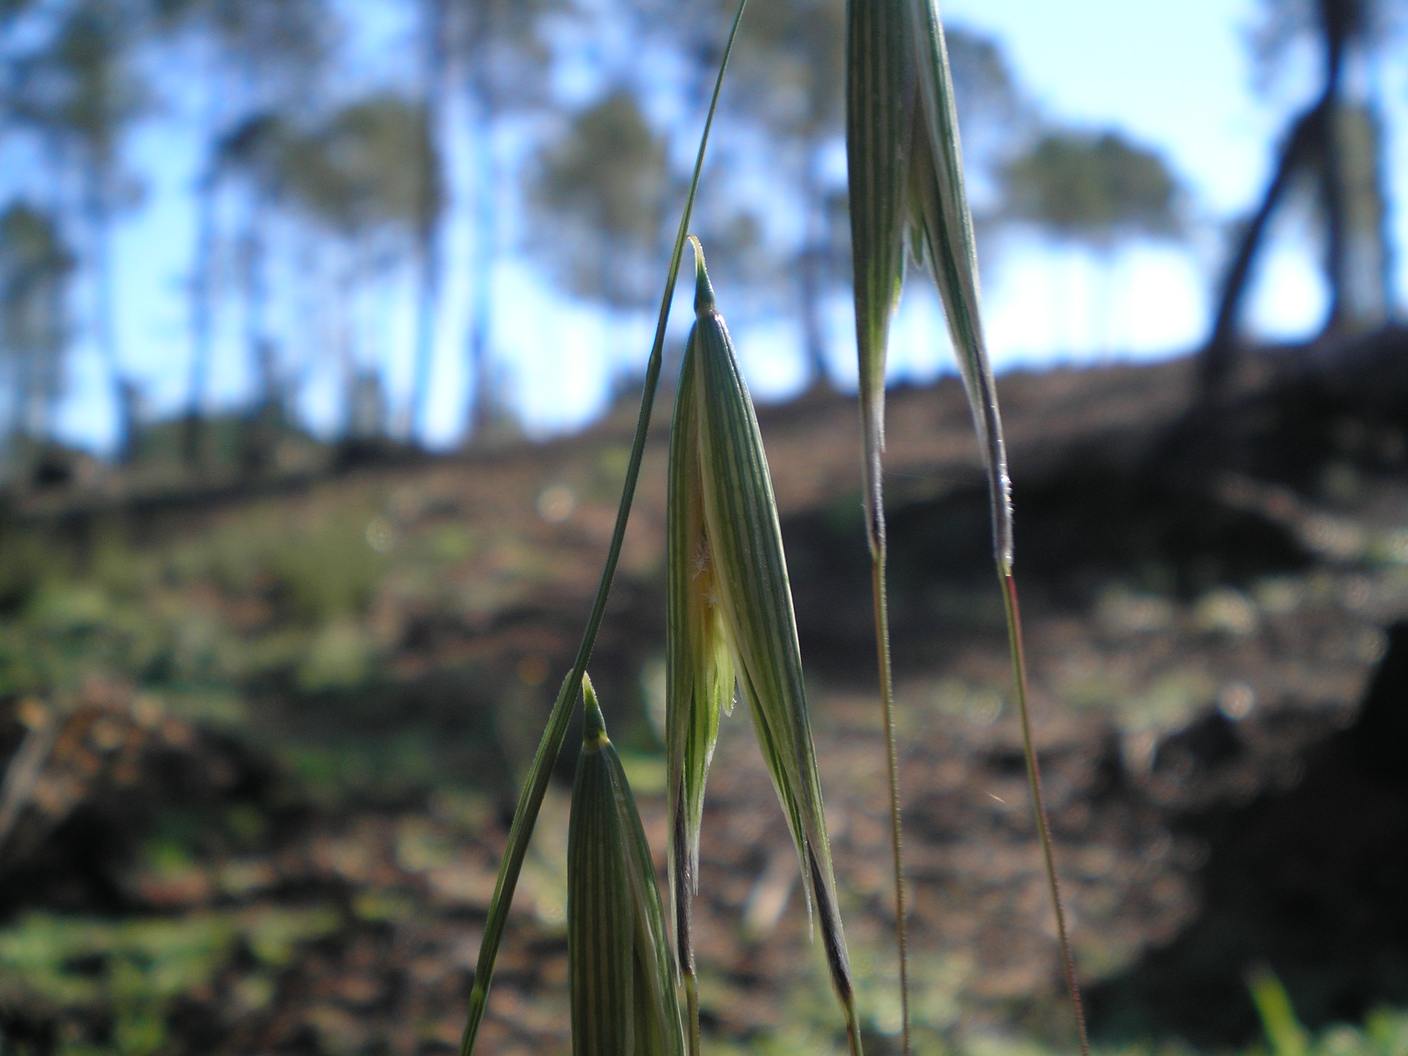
[1214,602]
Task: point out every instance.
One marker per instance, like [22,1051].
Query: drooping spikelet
[905,166]
[699,663]
[880,104]
[733,591]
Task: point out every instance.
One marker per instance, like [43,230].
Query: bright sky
[1173,76]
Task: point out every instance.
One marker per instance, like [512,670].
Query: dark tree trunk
[1334,23]
[202,285]
[1312,141]
[1383,236]
[427,220]
[202,318]
[345,295]
[124,392]
[811,286]
[265,412]
[1219,354]
[481,322]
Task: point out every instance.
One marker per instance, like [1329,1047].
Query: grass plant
[730,613]
[530,800]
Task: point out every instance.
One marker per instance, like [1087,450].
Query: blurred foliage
[1093,189]
[139,967]
[599,196]
[246,600]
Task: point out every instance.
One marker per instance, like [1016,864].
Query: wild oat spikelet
[731,602]
[625,998]
[906,172]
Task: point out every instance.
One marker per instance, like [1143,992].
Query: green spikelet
[735,522]
[625,998]
[880,103]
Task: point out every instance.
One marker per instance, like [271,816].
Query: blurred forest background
[321,330]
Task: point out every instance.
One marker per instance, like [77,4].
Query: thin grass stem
[879,553]
[853,1031]
[694,1036]
[530,800]
[1043,825]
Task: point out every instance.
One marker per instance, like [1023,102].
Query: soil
[1214,600]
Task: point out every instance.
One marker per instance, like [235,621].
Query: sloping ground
[272,736]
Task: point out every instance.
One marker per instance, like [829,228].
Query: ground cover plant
[730,609]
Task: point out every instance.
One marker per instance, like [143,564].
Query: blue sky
[1176,77]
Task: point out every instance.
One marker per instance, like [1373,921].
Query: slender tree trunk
[1332,167]
[346,284]
[1218,355]
[1311,137]
[202,285]
[21,398]
[427,220]
[1381,177]
[262,415]
[1332,203]
[256,298]
[202,308]
[483,115]
[810,284]
[1382,234]
[124,393]
[481,323]
[59,333]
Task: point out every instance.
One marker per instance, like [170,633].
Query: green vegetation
[138,967]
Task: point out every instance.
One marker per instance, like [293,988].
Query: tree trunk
[346,285]
[124,393]
[1334,33]
[202,318]
[427,220]
[263,416]
[1312,136]
[202,285]
[1383,235]
[810,281]
[484,113]
[482,284]
[1219,353]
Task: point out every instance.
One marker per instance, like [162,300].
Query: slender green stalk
[853,1032]
[887,704]
[695,1037]
[1043,825]
[530,800]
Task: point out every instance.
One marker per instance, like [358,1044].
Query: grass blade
[531,798]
